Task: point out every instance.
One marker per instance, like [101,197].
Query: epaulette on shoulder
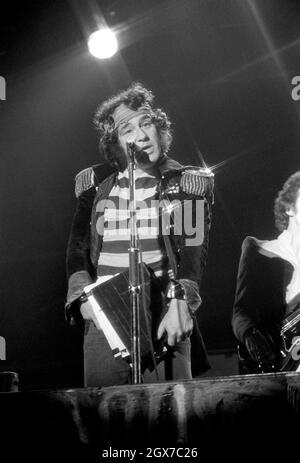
[84,180]
[198,181]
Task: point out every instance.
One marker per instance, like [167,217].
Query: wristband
[175,290]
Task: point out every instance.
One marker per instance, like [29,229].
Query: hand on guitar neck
[260,350]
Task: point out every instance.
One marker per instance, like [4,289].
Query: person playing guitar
[266,312]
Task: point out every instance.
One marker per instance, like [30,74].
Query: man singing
[268,291]
[99,239]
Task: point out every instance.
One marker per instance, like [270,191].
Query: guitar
[290,337]
[289,352]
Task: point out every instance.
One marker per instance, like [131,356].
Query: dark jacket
[260,293]
[177,183]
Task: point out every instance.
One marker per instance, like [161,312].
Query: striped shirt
[114,257]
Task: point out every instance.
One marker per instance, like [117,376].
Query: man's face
[141,130]
[297,209]
[294,212]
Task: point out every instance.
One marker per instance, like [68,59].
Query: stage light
[103,43]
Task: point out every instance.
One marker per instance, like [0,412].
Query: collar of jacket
[165,165]
[168,165]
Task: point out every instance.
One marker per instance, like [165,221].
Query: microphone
[139,154]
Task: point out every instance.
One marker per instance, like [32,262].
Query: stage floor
[259,414]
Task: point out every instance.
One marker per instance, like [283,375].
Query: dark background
[222,69]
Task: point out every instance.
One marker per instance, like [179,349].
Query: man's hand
[260,350]
[87,311]
[177,323]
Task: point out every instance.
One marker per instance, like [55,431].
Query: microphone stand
[134,277]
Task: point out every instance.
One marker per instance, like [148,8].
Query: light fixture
[103,43]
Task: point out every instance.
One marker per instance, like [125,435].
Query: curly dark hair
[133,97]
[286,200]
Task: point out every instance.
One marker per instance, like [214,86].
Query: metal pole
[134,277]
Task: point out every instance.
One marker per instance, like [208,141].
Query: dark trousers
[102,369]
